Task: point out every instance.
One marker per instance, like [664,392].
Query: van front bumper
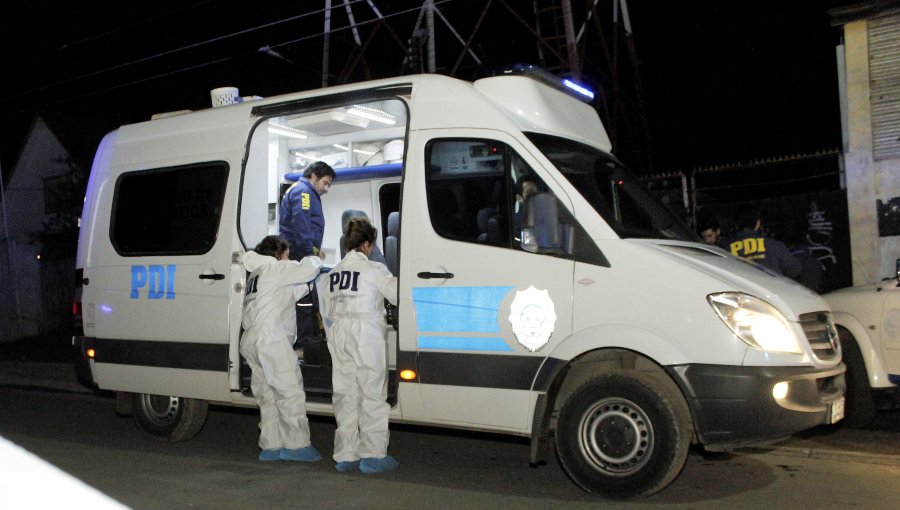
[734,406]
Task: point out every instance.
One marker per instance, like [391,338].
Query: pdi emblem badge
[532,317]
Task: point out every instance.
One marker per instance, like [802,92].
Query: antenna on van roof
[224,96]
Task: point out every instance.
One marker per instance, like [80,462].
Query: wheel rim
[160,409]
[615,436]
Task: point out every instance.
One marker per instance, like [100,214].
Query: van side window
[542,224]
[467,190]
[481,191]
[171,211]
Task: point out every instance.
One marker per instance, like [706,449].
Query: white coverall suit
[351,300]
[270,325]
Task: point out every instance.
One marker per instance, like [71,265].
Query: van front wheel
[860,405]
[624,434]
[168,418]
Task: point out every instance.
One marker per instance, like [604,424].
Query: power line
[143,21]
[163,54]
[200,65]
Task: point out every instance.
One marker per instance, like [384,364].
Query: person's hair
[320,169]
[746,218]
[272,246]
[707,222]
[359,230]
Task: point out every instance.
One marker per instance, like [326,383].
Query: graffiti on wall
[819,235]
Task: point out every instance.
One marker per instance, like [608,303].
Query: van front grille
[820,333]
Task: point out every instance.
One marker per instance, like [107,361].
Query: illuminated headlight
[756,322]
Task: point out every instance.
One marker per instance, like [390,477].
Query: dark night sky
[722,81]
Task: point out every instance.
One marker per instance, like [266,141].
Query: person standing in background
[302,224]
[750,243]
[301,219]
[710,231]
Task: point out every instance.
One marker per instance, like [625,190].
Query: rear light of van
[76,303]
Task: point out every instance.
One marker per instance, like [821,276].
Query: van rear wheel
[167,418]
[624,434]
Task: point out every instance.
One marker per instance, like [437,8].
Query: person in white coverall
[273,287]
[352,300]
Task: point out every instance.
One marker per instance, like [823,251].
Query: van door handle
[425,275]
[214,276]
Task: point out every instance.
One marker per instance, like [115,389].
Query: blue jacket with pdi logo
[765,251]
[302,222]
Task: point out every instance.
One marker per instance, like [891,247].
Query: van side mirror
[541,230]
[897,264]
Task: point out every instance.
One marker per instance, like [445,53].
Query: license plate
[837,410]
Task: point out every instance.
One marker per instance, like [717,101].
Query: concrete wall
[867,180]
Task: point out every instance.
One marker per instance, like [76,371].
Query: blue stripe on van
[358,173]
[463,343]
[458,309]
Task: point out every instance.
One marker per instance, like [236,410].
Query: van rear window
[171,211]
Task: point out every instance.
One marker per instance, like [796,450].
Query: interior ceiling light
[278,129]
[372,114]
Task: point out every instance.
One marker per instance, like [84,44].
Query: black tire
[167,418]
[624,434]
[859,407]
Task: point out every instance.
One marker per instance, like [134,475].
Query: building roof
[78,135]
[863,10]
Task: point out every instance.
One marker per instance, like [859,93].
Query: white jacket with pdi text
[356,289]
[273,288]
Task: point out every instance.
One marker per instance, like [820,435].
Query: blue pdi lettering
[158,280]
[344,280]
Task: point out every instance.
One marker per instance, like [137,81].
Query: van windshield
[618,196]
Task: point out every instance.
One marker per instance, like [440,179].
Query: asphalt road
[433,460]
[440,469]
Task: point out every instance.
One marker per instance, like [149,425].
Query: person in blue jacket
[302,225]
[750,243]
[302,222]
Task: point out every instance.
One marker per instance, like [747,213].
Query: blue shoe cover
[269,455]
[378,465]
[347,465]
[307,454]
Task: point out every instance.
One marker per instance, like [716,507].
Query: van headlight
[756,322]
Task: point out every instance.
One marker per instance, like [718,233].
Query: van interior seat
[488,225]
[392,243]
[345,219]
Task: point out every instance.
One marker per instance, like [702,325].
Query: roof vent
[224,96]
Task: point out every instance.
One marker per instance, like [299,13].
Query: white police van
[584,316]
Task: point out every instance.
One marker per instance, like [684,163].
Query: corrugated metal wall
[884,83]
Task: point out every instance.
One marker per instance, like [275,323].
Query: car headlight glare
[756,322]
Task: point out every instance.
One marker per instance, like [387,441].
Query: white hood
[736,274]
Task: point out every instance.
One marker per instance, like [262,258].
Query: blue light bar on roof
[547,78]
[578,88]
